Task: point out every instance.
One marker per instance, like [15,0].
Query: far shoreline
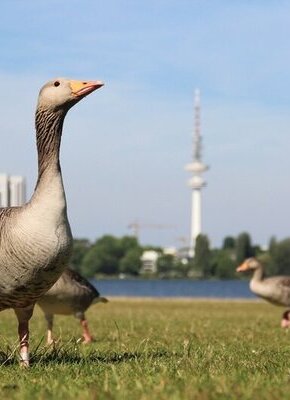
[183,299]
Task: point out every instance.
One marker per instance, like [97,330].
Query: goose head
[63,93]
[249,264]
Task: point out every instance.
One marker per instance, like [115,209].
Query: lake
[232,289]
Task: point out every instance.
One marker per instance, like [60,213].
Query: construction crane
[135,227]
[183,240]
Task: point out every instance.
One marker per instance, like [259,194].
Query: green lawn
[154,349]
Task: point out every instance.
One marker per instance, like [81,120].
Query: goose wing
[285,289]
[80,281]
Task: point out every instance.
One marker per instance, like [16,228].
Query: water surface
[232,289]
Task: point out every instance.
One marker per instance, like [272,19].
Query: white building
[17,187]
[12,190]
[149,261]
[4,190]
[170,251]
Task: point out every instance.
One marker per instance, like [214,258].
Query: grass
[154,349]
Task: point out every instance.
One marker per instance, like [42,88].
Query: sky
[124,147]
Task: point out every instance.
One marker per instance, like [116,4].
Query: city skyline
[124,147]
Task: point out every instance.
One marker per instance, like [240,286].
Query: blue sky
[124,148]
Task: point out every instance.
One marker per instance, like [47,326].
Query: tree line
[112,256]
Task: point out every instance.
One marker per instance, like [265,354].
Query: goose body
[35,239]
[32,255]
[72,294]
[275,290]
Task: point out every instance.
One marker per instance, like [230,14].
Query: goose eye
[56,83]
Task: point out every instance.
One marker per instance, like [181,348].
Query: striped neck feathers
[49,126]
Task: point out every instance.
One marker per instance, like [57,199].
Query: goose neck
[48,138]
[258,274]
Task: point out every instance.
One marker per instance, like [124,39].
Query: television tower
[196,182]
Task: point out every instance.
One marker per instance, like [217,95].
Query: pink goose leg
[23,316]
[86,333]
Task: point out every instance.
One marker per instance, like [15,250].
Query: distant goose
[70,295]
[275,289]
[35,239]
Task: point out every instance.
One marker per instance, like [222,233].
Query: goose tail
[100,300]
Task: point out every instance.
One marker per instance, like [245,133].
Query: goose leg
[86,333]
[23,315]
[49,320]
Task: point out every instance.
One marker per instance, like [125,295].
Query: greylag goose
[70,295]
[35,239]
[275,289]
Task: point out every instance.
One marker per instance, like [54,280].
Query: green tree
[272,245]
[281,257]
[80,249]
[103,257]
[223,264]
[244,247]
[183,267]
[128,243]
[229,243]
[269,259]
[165,264]
[131,262]
[111,255]
[202,256]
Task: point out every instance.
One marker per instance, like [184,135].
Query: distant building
[4,190]
[149,262]
[170,251]
[12,190]
[17,186]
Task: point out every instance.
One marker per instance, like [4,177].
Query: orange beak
[80,88]
[242,267]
